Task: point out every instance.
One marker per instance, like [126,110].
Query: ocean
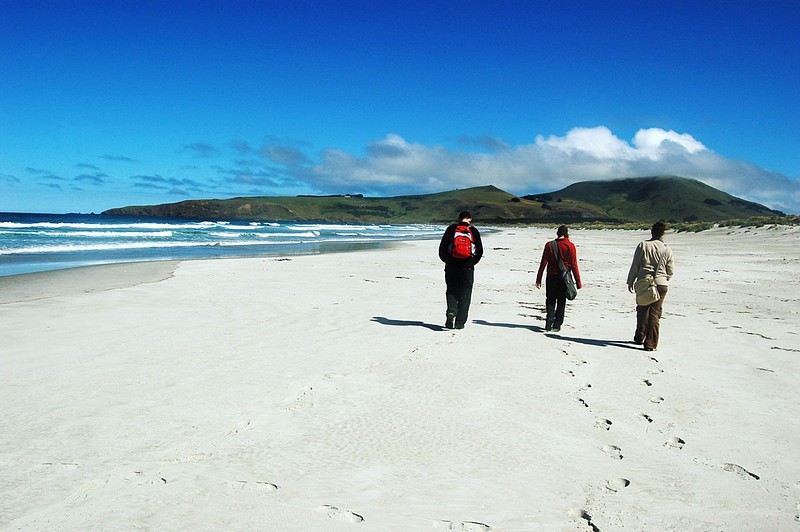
[42,242]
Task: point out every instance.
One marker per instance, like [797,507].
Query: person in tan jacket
[652,257]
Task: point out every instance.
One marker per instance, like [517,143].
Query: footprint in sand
[67,465]
[465,526]
[646,417]
[656,399]
[568,372]
[86,489]
[141,478]
[603,424]
[579,514]
[740,471]
[617,484]
[303,399]
[581,402]
[193,457]
[415,354]
[613,451]
[646,383]
[675,443]
[342,515]
[238,427]
[258,485]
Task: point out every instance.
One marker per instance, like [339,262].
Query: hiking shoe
[449,323]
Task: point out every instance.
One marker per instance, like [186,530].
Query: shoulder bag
[566,275]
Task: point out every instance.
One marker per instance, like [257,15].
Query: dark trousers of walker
[648,320]
[459,283]
[555,301]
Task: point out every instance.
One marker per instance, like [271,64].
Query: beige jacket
[645,259]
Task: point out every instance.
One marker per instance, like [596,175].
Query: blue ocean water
[41,242]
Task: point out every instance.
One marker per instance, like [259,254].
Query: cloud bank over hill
[393,165]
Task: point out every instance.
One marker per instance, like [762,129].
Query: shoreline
[114,275]
[321,391]
[52,242]
[289,250]
[83,279]
[43,263]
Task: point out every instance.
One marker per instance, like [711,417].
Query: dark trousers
[648,321]
[556,301]
[459,293]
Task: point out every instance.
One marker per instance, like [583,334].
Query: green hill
[636,200]
[488,204]
[670,198]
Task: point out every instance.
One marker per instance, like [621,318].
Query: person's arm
[476,237]
[635,265]
[575,270]
[447,238]
[542,266]
[670,265]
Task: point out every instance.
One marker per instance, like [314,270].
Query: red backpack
[463,245]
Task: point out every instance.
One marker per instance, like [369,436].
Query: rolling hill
[670,198]
[487,203]
[626,200]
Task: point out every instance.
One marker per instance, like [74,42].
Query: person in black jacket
[459,273]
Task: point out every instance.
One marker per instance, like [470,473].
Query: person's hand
[538,285]
[579,286]
[630,288]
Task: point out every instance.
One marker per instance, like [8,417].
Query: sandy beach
[322,393]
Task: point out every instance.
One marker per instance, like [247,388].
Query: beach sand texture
[322,393]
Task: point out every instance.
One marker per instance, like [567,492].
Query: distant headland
[621,202]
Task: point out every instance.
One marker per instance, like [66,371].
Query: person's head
[658,230]
[563,230]
[465,216]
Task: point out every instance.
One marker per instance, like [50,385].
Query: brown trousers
[647,321]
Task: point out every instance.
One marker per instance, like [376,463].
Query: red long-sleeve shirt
[569,256]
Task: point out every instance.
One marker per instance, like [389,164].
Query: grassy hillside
[659,198]
[488,204]
[636,200]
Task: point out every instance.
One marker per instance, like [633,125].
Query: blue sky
[105,104]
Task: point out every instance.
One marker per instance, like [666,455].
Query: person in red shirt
[555,294]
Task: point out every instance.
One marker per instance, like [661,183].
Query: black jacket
[444,251]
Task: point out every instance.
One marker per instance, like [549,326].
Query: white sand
[321,393]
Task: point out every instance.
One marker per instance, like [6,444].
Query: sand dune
[323,393]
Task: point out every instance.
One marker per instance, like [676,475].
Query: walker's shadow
[596,343]
[406,323]
[534,328]
[557,336]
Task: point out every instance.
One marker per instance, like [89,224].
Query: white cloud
[653,142]
[394,166]
[590,143]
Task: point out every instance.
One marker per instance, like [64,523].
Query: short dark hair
[463,215]
[658,229]
[563,230]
